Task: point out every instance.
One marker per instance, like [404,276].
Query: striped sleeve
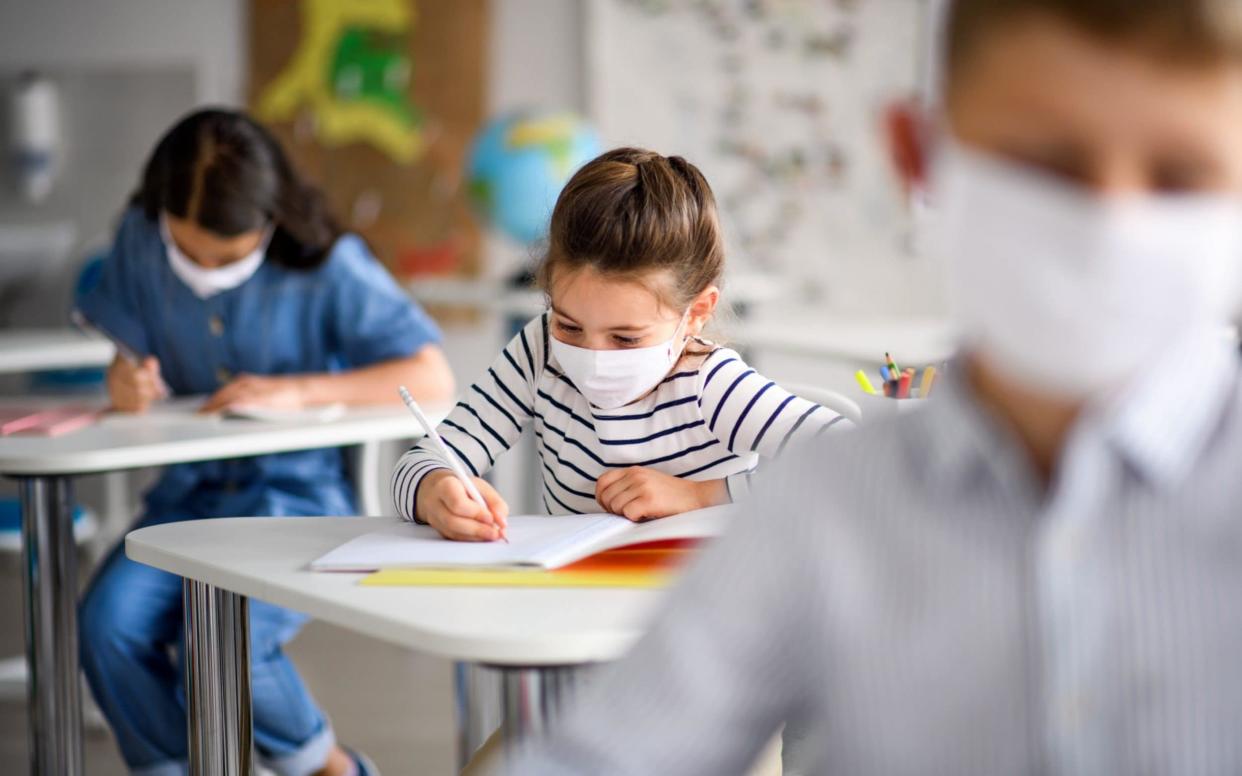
[749,413]
[485,423]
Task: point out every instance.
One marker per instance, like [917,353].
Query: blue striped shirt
[712,417]
[919,602]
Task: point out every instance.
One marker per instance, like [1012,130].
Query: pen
[125,351]
[929,378]
[864,383]
[446,454]
[79,320]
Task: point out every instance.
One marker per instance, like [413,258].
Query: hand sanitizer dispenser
[34,136]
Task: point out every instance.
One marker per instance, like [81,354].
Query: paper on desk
[535,541]
[653,565]
[323,414]
[186,409]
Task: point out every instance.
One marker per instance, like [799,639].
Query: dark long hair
[222,170]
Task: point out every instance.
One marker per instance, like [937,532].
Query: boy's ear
[905,132]
[702,309]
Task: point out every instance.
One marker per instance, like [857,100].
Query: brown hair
[631,212]
[1182,31]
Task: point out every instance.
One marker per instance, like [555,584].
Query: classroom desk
[858,341]
[32,350]
[539,639]
[45,468]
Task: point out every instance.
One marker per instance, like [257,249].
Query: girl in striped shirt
[633,411]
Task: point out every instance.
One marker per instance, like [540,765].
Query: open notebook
[535,542]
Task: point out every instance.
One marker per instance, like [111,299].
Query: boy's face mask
[1073,293]
[614,378]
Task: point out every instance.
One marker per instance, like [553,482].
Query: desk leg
[217,681]
[476,691]
[533,697]
[50,577]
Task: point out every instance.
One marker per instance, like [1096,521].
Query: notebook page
[531,538]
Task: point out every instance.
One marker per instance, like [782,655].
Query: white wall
[125,69]
[209,36]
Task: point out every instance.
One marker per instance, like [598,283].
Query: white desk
[30,350]
[536,637]
[855,340]
[45,468]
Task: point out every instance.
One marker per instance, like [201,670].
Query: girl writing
[633,411]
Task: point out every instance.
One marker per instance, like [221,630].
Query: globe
[518,164]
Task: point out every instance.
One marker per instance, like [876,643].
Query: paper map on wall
[779,103]
[352,70]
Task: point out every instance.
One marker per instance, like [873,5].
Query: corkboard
[414,212]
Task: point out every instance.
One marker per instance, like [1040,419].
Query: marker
[903,385]
[929,378]
[884,374]
[864,383]
[447,454]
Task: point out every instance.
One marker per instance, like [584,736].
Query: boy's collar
[1159,425]
[1167,416]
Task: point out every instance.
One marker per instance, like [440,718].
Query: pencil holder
[875,407]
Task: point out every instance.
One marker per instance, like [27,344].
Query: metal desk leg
[217,681]
[367,479]
[476,691]
[50,577]
[533,698]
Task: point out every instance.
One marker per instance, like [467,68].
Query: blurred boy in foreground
[1042,571]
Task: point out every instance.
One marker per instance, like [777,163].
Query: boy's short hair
[1180,31]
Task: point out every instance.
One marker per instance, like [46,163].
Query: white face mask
[206,282]
[1070,293]
[613,378]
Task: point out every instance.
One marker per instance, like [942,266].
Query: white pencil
[447,454]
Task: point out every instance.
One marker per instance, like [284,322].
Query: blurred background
[442,131]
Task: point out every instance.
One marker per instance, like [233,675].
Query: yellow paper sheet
[642,579]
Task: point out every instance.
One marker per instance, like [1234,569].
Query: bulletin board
[779,102]
[377,101]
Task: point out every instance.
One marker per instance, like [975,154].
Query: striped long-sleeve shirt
[711,418]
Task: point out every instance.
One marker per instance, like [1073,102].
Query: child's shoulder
[704,356]
[351,266]
[136,229]
[529,347]
[350,256]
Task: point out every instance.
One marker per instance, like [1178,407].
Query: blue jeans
[132,653]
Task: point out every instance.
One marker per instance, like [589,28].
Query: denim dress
[344,314]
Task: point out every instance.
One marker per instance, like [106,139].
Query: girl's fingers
[497,505]
[609,477]
[459,504]
[464,529]
[235,392]
[628,500]
[608,496]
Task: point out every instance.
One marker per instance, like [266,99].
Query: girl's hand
[132,387]
[642,494]
[443,503]
[273,393]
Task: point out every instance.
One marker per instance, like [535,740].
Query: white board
[779,103]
